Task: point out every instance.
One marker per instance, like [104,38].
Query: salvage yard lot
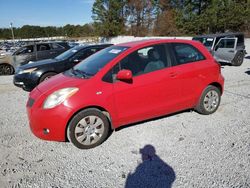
[195,150]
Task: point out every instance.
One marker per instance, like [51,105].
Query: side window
[186,53]
[142,61]
[92,51]
[80,55]
[55,46]
[43,47]
[226,43]
[25,50]
[85,53]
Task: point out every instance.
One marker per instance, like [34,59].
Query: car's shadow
[247,57]
[248,71]
[225,64]
[152,119]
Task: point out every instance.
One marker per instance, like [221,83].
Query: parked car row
[30,75]
[29,53]
[103,87]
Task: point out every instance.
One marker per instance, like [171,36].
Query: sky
[45,12]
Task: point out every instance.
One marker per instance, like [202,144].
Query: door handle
[173,74]
[231,51]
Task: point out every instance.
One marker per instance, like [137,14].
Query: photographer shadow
[151,172]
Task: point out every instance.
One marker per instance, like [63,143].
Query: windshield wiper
[79,72]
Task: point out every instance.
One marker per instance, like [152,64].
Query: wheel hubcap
[89,130]
[211,101]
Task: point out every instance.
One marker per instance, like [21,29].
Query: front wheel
[88,129]
[209,100]
[47,76]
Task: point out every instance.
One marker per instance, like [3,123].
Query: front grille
[30,102]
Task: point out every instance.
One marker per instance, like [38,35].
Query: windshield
[67,54]
[206,41]
[94,63]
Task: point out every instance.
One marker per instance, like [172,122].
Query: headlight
[26,70]
[59,97]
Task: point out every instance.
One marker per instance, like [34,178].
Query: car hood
[38,63]
[59,81]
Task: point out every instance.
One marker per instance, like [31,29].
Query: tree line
[29,31]
[150,17]
[170,17]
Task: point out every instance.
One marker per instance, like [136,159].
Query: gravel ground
[182,150]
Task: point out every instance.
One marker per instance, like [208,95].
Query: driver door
[149,94]
[225,49]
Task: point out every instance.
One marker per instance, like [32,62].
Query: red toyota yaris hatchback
[123,84]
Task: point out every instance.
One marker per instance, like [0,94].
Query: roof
[219,35]
[79,47]
[45,42]
[152,42]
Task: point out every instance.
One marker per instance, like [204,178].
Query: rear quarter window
[56,46]
[43,47]
[186,53]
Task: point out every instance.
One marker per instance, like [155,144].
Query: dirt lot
[191,150]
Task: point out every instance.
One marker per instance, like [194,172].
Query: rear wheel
[88,128]
[6,69]
[238,59]
[47,76]
[209,100]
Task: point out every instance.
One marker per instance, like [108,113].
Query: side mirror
[124,75]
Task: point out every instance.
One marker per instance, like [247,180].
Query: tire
[46,76]
[209,100]
[238,59]
[6,69]
[88,129]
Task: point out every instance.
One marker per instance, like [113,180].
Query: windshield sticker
[210,39]
[114,51]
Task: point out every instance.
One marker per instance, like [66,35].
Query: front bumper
[25,81]
[47,124]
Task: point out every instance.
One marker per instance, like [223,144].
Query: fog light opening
[45,131]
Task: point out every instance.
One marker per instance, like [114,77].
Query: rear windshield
[94,63]
[206,41]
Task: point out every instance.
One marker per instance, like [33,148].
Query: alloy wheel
[211,100]
[89,130]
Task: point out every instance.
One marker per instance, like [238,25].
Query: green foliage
[29,31]
[212,16]
[108,16]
